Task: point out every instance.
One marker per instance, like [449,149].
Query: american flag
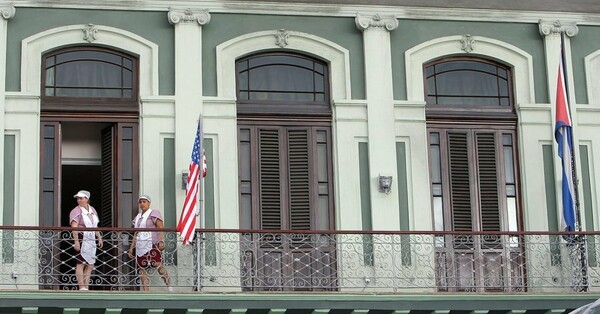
[187,220]
[563,133]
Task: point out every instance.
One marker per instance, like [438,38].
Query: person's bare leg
[79,274]
[145,281]
[87,275]
[165,275]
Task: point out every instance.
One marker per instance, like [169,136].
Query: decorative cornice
[467,43]
[557,27]
[281,38]
[8,12]
[89,33]
[364,22]
[188,16]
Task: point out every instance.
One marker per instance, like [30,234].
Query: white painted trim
[337,56]
[592,77]
[33,47]
[322,9]
[521,62]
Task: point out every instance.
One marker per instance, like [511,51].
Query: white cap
[82,193]
[144,197]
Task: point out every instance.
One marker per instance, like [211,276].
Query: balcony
[332,269]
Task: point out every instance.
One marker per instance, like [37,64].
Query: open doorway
[81,167]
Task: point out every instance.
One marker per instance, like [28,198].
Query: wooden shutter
[460,183]
[487,166]
[285,177]
[50,174]
[127,174]
[106,174]
[270,183]
[298,167]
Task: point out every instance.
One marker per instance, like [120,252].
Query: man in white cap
[149,245]
[84,242]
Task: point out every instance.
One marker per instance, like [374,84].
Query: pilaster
[380,117]
[553,31]
[7,13]
[188,25]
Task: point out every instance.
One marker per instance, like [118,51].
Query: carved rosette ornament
[8,12]
[202,17]
[281,38]
[467,43]
[364,22]
[557,27]
[89,33]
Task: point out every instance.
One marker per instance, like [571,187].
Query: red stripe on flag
[187,220]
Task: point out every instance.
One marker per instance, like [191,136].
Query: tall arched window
[68,83]
[471,125]
[285,169]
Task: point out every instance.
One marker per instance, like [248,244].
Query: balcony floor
[272,303]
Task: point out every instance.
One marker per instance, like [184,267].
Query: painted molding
[521,61]
[33,47]
[281,38]
[592,77]
[322,9]
[176,16]
[376,21]
[89,33]
[557,27]
[8,12]
[467,43]
[233,49]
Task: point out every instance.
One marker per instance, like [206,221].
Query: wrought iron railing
[247,260]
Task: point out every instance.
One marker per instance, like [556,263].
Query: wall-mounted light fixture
[184,179]
[385,184]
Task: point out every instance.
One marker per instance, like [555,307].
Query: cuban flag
[563,134]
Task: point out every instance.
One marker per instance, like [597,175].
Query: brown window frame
[74,104]
[474,178]
[279,107]
[470,112]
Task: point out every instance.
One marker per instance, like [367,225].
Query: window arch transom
[89,73]
[468,82]
[282,83]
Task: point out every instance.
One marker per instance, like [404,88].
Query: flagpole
[581,241]
[200,211]
[573,150]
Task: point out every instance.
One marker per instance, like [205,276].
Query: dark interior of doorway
[75,178]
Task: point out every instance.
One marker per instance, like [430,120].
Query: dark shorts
[150,259]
